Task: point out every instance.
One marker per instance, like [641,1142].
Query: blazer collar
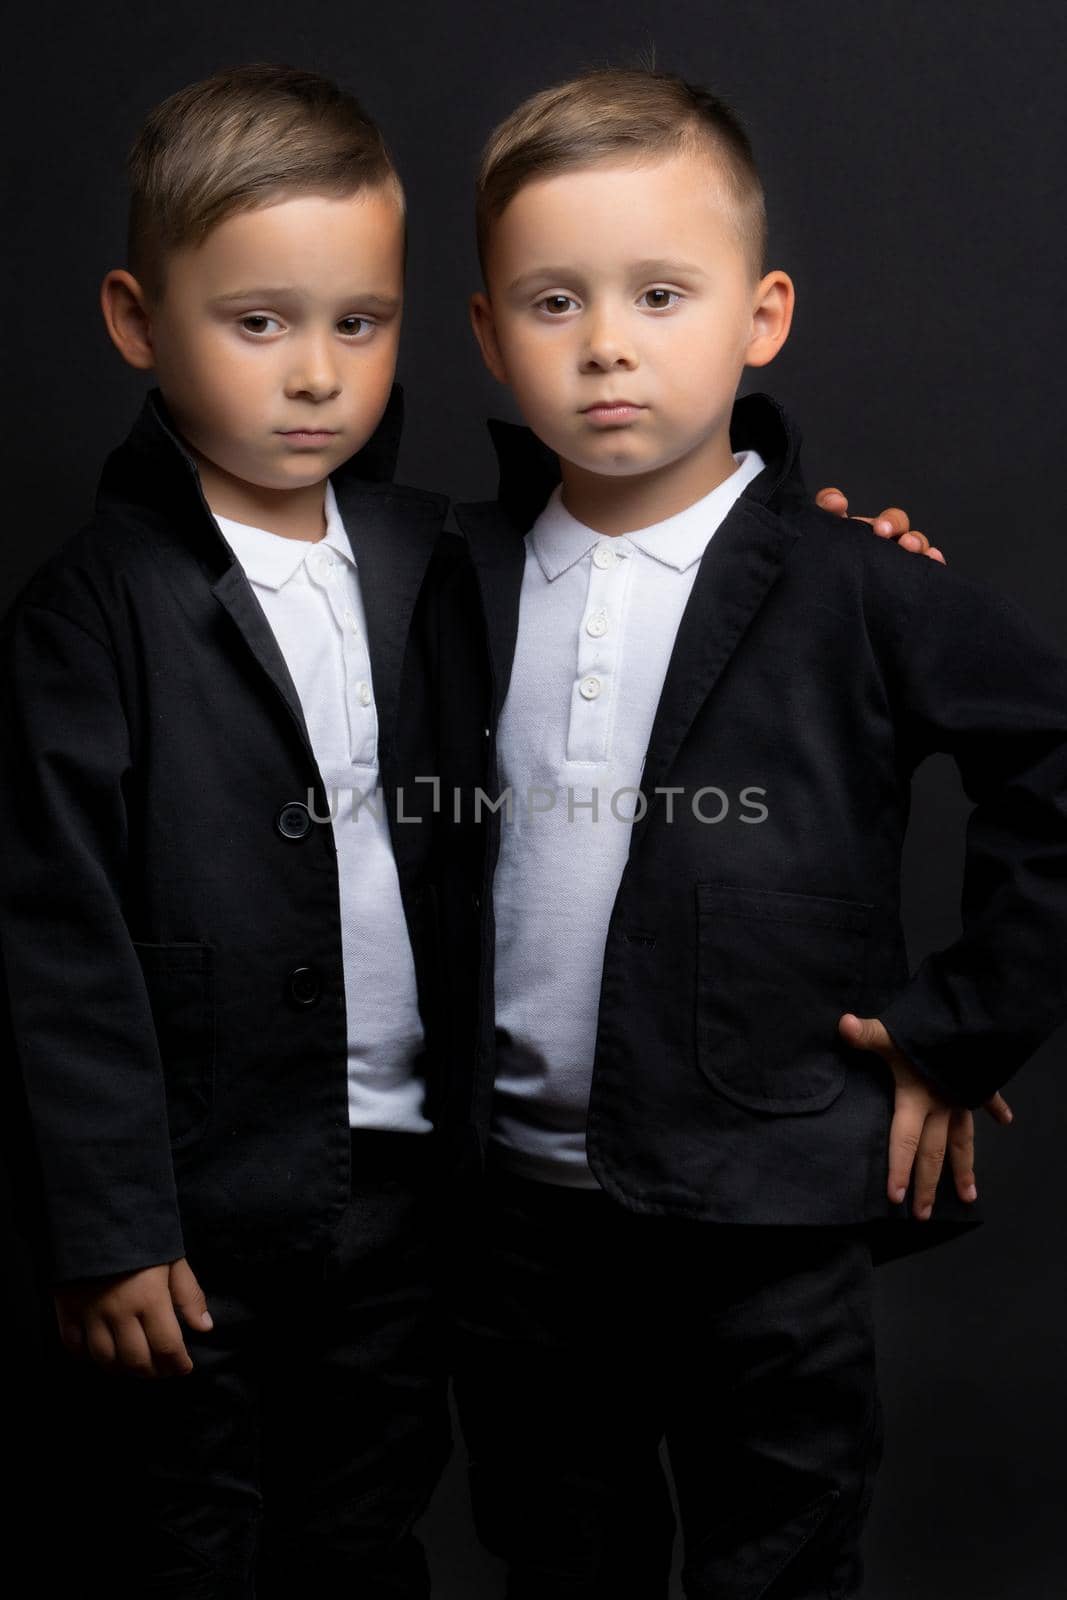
[154,471]
[392,532]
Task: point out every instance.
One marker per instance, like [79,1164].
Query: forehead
[302,237]
[616,205]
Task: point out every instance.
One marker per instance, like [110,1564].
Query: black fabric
[815,666]
[585,1334]
[307,1440]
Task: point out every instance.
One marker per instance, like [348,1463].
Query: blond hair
[237,140]
[611,113]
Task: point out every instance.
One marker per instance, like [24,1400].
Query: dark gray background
[913,155]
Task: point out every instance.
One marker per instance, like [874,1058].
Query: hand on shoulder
[892,523]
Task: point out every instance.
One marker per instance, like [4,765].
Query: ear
[126,315]
[484,325]
[772,316]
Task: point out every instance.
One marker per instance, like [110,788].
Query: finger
[866,1033]
[131,1348]
[904,1133]
[999,1109]
[935,555]
[892,522]
[961,1153]
[914,541]
[188,1297]
[832,500]
[929,1160]
[99,1341]
[170,1358]
[883,530]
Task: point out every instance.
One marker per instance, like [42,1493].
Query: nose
[607,343]
[313,372]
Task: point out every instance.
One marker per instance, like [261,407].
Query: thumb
[188,1297]
[863,1033]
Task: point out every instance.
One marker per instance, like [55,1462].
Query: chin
[308,467]
[617,465]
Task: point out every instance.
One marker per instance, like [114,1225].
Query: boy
[224,1016]
[707,706]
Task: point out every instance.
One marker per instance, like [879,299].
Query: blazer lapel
[736,573]
[392,533]
[498,553]
[234,593]
[495,531]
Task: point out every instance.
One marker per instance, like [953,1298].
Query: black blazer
[170,933]
[820,666]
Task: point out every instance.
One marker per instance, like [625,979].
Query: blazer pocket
[774,973]
[180,983]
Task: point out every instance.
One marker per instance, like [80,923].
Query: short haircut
[609,114]
[243,138]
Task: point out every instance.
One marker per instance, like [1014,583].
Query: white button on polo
[604,557]
[589,688]
[350,620]
[364,694]
[597,626]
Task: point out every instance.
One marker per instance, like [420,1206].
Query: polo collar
[271,560]
[559,540]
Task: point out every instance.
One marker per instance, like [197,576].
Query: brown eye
[256,318]
[660,299]
[354,325]
[556,303]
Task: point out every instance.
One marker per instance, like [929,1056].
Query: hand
[128,1322]
[923,1124]
[889,524]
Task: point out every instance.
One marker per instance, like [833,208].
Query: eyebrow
[668,269]
[653,268]
[376,302]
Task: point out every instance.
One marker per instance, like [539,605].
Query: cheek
[538,367]
[216,366]
[374,377]
[701,358]
[520,341]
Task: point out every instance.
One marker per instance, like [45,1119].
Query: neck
[290,513]
[620,505]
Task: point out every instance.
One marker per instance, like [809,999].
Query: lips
[611,405]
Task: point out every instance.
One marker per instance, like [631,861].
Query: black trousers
[296,1456]
[585,1335]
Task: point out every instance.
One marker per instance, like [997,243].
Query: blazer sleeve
[80,1019]
[969,673]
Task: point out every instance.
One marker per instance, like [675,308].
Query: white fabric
[310,594]
[597,621]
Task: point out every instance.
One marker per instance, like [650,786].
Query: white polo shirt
[310,594]
[598,617]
